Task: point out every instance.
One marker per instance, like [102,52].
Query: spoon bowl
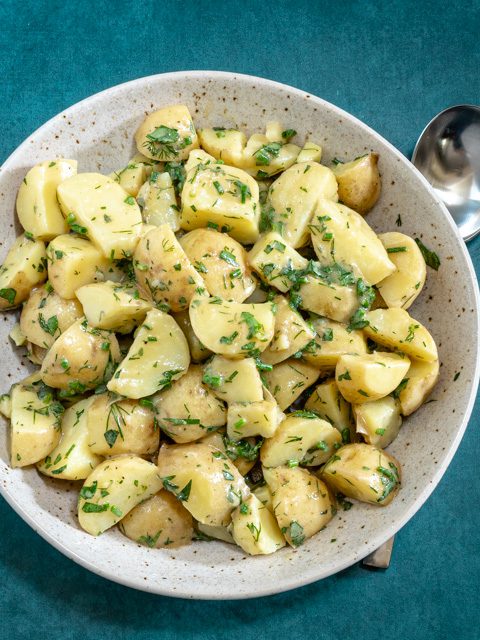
[448,155]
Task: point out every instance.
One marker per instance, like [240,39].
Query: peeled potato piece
[113,489]
[167,134]
[401,288]
[131,178]
[209,486]
[81,358]
[45,316]
[363,472]
[243,453]
[72,458]
[37,206]
[35,422]
[209,532]
[189,409]
[246,419]
[292,334]
[198,351]
[378,422]
[368,377]
[334,301]
[222,263]
[300,438]
[329,404]
[289,379]
[264,156]
[159,202]
[117,426]
[159,522]
[25,266]
[273,259]
[158,356]
[340,234]
[421,379]
[224,144]
[230,328]
[359,182]
[302,503]
[255,529]
[310,152]
[396,329]
[234,380]
[332,340]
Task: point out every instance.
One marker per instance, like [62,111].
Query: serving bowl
[98,132]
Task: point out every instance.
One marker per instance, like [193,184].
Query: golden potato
[131,177]
[24,267]
[198,351]
[415,389]
[329,404]
[359,182]
[334,301]
[310,152]
[255,529]
[379,421]
[332,340]
[234,380]
[224,144]
[159,202]
[273,259]
[289,379]
[246,419]
[167,134]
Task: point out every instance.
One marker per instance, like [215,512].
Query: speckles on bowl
[99,134]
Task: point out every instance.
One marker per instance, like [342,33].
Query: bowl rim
[376,541]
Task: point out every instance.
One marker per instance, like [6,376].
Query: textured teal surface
[393,65]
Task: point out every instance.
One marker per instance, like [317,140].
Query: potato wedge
[359,182]
[198,351]
[334,301]
[224,144]
[72,458]
[232,329]
[158,200]
[273,259]
[114,488]
[24,267]
[363,472]
[368,377]
[264,157]
[81,358]
[255,529]
[329,404]
[310,152]
[243,453]
[401,288]
[421,379]
[221,262]
[292,334]
[37,206]
[289,379]
[131,177]
[302,503]
[378,422]
[332,341]
[234,380]
[209,532]
[159,522]
[158,356]
[245,419]
[300,438]
[209,486]
[396,329]
[167,134]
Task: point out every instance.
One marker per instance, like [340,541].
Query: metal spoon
[448,155]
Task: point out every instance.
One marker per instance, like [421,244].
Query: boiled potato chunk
[368,377]
[332,341]
[81,358]
[378,422]
[219,533]
[273,259]
[289,379]
[45,315]
[188,410]
[222,263]
[340,234]
[396,329]
[422,377]
[328,403]
[97,206]
[159,202]
[72,458]
[334,301]
[255,529]
[167,134]
[117,426]
[158,355]
[109,305]
[363,472]
[198,351]
[74,262]
[401,288]
[161,521]
[265,157]
[310,152]
[294,196]
[209,486]
[220,197]
[292,334]
[114,488]
[263,493]
[245,419]
[359,182]
[243,453]
[37,205]
[302,503]
[24,267]
[234,380]
[300,438]
[163,272]
[35,422]
[224,144]
[232,329]
[131,178]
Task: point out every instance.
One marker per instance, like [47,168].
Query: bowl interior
[99,133]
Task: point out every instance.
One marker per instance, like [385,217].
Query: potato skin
[159,522]
[359,183]
[222,263]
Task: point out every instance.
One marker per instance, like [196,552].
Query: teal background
[392,64]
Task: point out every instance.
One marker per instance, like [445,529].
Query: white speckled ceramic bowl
[99,133]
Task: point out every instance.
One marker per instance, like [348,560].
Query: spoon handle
[380,558]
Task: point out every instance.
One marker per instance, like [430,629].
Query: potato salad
[224,347]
